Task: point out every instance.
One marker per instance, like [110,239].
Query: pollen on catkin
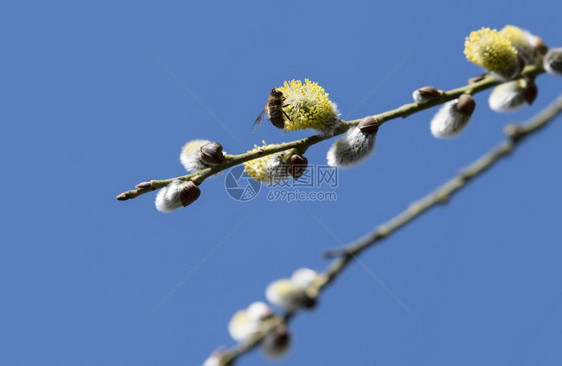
[308,106]
[492,50]
[528,46]
[271,169]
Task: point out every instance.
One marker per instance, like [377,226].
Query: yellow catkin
[490,49]
[263,169]
[307,106]
[523,41]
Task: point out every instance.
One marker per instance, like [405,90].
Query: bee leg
[286,115]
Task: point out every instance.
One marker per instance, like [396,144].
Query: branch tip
[123,196]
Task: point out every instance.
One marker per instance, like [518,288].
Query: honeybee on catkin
[273,110]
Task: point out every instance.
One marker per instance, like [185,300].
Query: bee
[274,110]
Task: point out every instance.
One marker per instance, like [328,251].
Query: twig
[303,144]
[515,134]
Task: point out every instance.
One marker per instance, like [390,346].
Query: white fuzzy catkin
[426,94]
[448,122]
[304,277]
[354,147]
[240,327]
[168,198]
[418,98]
[190,156]
[287,295]
[552,61]
[258,311]
[247,322]
[214,360]
[508,97]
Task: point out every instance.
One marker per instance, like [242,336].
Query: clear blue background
[87,112]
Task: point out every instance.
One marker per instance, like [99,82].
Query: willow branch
[303,144]
[344,256]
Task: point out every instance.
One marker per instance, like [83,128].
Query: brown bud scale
[531,92]
[430,93]
[466,105]
[297,165]
[189,193]
[144,185]
[369,125]
[211,153]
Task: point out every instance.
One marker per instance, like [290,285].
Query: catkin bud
[426,94]
[289,296]
[217,359]
[175,195]
[355,146]
[306,105]
[552,62]
[248,322]
[529,46]
[494,51]
[540,46]
[211,153]
[271,169]
[369,125]
[294,293]
[512,95]
[144,185]
[277,342]
[304,277]
[200,154]
[452,117]
[297,165]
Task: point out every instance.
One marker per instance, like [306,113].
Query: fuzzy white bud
[552,62]
[304,277]
[512,95]
[217,359]
[426,94]
[258,311]
[355,146]
[190,156]
[248,322]
[452,117]
[212,361]
[175,195]
[287,295]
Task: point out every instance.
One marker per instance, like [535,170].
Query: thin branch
[515,134]
[303,144]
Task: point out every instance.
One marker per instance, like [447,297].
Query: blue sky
[88,112]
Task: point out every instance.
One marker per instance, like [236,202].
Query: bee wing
[262,116]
